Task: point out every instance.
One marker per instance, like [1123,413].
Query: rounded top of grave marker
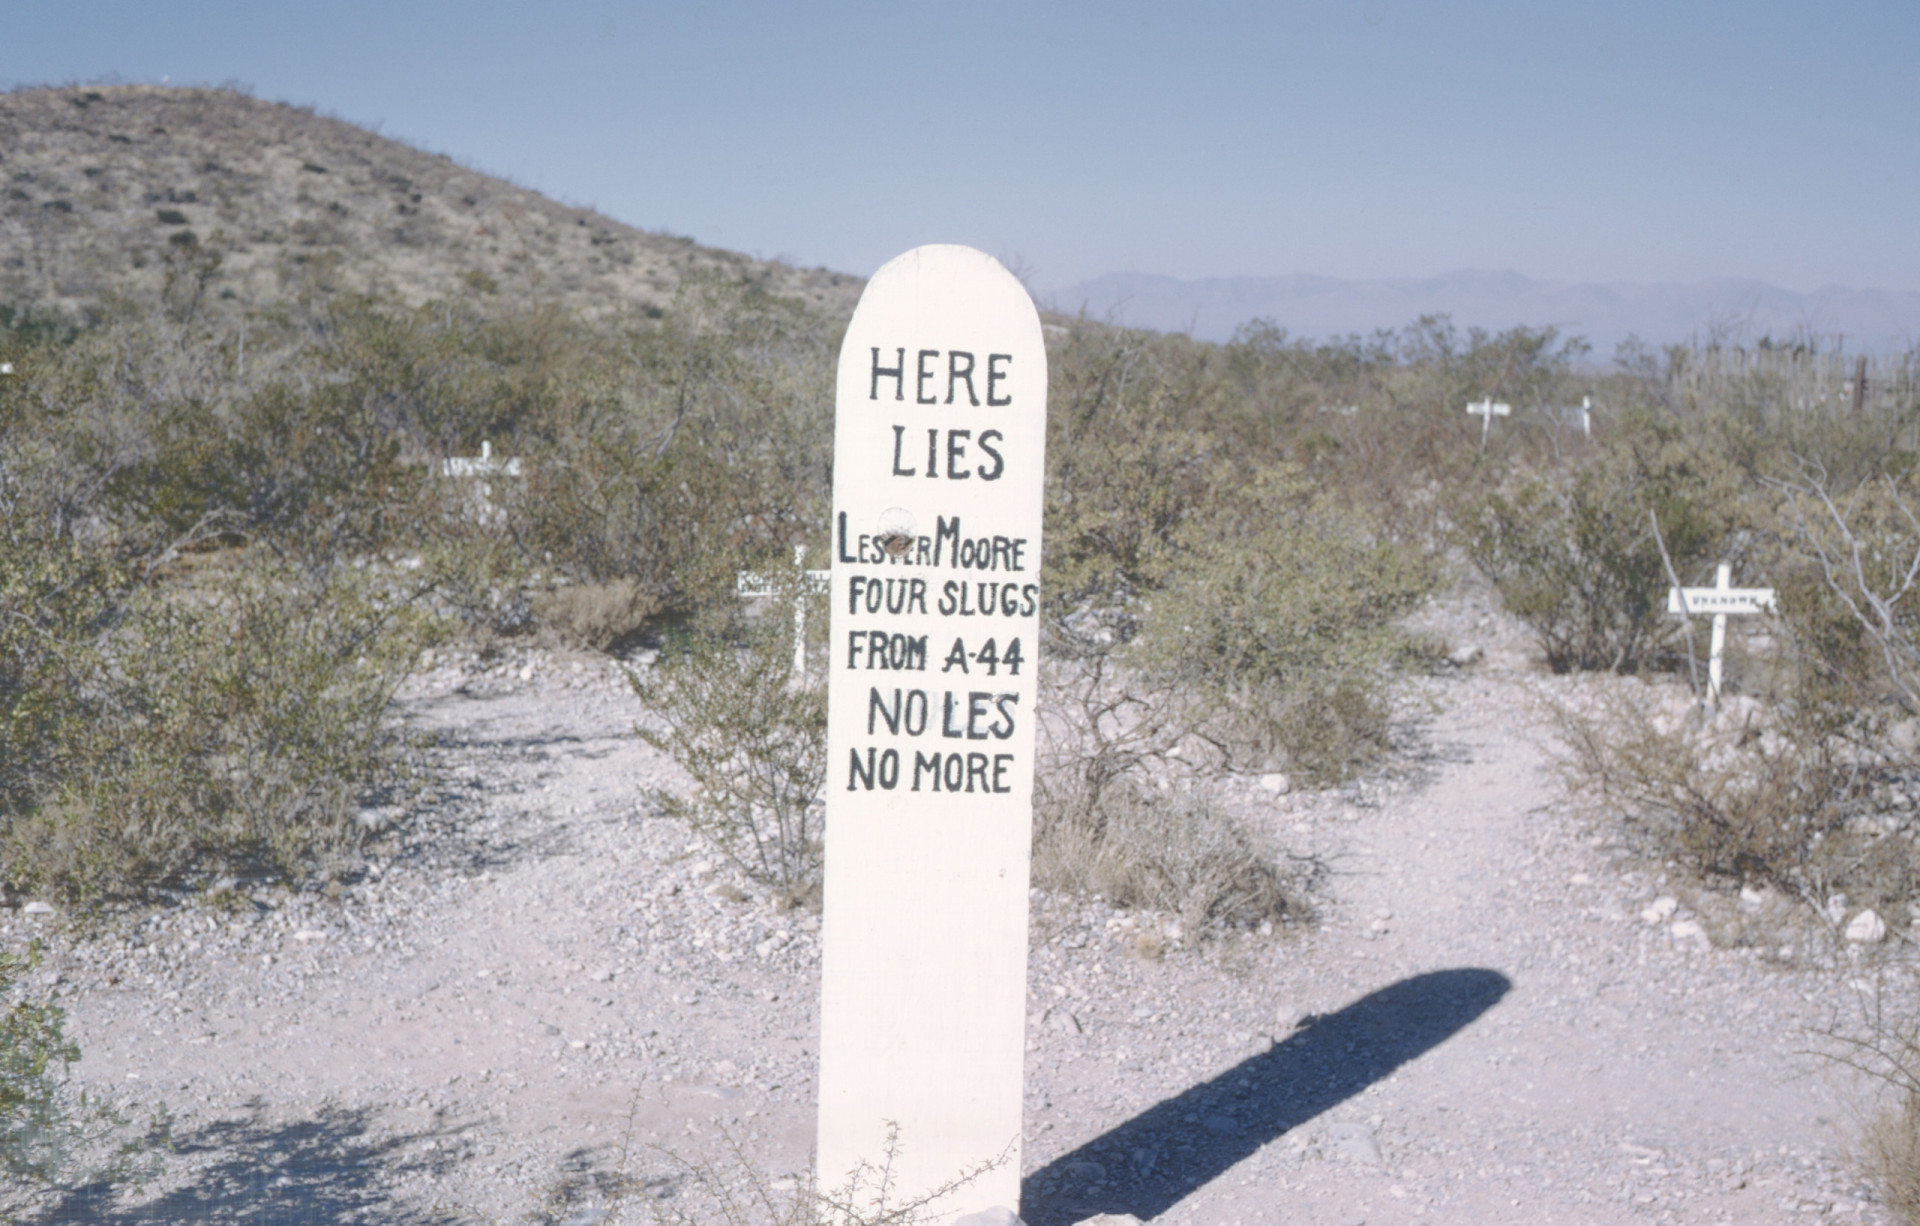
[965,290]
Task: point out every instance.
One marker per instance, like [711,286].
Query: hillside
[110,190]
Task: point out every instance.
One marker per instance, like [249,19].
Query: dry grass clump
[1890,1152]
[597,616]
[1178,853]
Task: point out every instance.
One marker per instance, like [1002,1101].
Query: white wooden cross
[483,465]
[1486,410]
[480,470]
[1721,600]
[752,585]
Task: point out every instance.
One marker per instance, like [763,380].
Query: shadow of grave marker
[1154,1160]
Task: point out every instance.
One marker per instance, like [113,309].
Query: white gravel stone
[1866,928]
[1686,932]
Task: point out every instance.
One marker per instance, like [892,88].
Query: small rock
[37,908]
[1087,1171]
[1221,1125]
[1064,1022]
[1688,930]
[1276,783]
[1287,1018]
[1867,928]
[1660,910]
[999,1215]
[1751,899]
[601,975]
[309,934]
[1355,1141]
[1105,1219]
[1471,653]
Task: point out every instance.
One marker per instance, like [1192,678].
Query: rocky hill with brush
[128,192]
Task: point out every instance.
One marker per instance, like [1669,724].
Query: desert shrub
[34,1053]
[1578,558]
[1275,615]
[231,723]
[49,1134]
[1880,1038]
[753,738]
[1852,602]
[1812,785]
[1751,795]
[689,443]
[1891,1155]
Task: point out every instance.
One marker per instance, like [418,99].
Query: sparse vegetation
[48,1132]
[754,738]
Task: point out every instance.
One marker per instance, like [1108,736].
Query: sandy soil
[539,992]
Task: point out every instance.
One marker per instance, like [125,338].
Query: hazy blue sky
[1634,140]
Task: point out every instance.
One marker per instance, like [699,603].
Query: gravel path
[537,990]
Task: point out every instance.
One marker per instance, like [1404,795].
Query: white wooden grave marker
[1486,411]
[480,470]
[754,586]
[1721,600]
[482,465]
[939,458]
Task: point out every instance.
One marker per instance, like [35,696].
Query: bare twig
[1686,616]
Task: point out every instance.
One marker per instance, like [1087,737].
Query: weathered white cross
[752,585]
[1486,410]
[483,465]
[1721,600]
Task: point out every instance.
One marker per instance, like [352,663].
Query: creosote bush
[753,738]
[50,1134]
[230,725]
[1577,555]
[1276,618]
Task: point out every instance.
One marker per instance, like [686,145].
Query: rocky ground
[539,1000]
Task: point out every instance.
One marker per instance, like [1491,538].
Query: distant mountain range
[1732,309]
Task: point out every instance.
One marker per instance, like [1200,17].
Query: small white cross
[753,585]
[1486,410]
[1720,600]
